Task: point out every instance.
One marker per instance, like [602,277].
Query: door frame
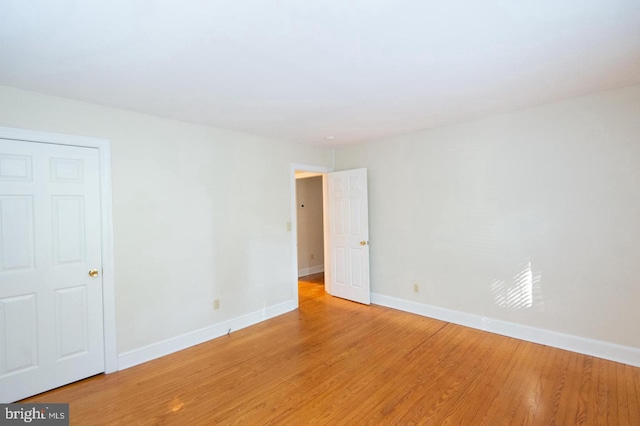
[106,229]
[294,223]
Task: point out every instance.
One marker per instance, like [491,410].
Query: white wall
[310,225]
[531,217]
[199,213]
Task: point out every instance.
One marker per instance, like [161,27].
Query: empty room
[475,178]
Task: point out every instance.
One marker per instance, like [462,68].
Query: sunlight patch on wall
[522,291]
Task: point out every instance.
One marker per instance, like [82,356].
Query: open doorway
[345,233]
[309,195]
[304,171]
[309,220]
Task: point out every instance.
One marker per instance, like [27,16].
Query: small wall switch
[216,304]
[311,256]
[416,288]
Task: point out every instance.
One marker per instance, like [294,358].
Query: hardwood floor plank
[603,398]
[510,383]
[623,396]
[568,394]
[631,385]
[612,394]
[335,362]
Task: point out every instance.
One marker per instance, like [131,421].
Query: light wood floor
[338,362]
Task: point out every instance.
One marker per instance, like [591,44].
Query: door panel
[21,351]
[51,320]
[71,321]
[16,229]
[68,229]
[349,235]
[16,168]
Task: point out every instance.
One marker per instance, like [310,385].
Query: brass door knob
[93,273]
[363,243]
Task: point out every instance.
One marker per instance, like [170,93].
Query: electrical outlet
[216,304]
[416,288]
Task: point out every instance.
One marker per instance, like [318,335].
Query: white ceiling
[301,70]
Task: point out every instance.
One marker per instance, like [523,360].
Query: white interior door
[349,235]
[51,319]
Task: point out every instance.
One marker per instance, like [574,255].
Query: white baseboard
[618,353]
[178,343]
[303,272]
